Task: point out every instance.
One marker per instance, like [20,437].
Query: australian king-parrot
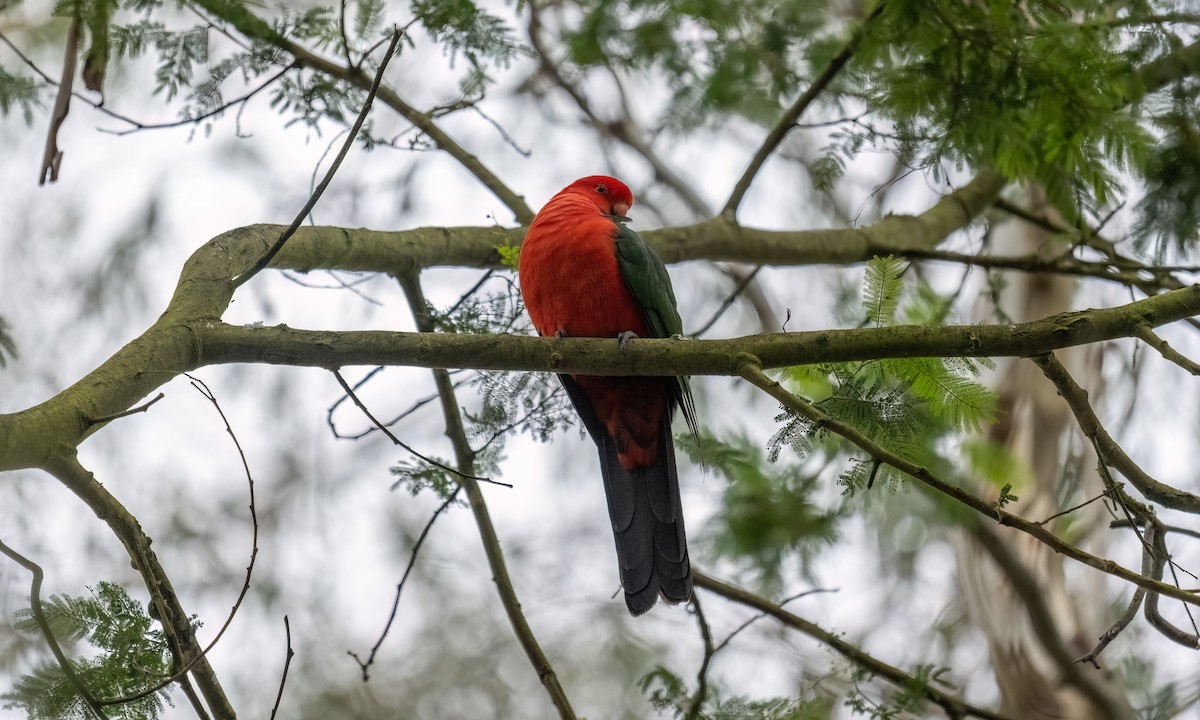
[584,273]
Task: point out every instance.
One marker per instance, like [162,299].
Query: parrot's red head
[610,195]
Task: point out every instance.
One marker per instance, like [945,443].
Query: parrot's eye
[601,189]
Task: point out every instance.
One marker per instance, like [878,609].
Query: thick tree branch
[189,335]
[222,343]
[954,706]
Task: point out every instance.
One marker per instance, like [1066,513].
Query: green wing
[646,277]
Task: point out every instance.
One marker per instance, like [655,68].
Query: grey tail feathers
[646,514]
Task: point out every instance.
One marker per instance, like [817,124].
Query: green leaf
[881,289]
[19,92]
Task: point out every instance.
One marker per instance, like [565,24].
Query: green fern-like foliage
[906,404]
[1034,90]
[18,92]
[127,655]
[770,513]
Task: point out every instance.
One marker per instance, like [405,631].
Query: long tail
[646,514]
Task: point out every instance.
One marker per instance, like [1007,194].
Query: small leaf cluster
[905,404]
[18,92]
[130,655]
[462,27]
[668,693]
[417,475]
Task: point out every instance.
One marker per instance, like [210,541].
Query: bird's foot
[560,334]
[624,338]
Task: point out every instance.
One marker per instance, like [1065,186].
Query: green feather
[646,277]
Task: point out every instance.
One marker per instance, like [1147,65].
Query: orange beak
[620,209]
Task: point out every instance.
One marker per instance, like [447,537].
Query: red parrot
[584,273]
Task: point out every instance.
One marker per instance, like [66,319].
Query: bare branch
[954,706]
[1110,452]
[752,372]
[179,674]
[287,663]
[177,624]
[52,159]
[1093,656]
[1148,336]
[365,665]
[693,711]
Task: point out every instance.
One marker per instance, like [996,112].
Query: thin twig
[727,302]
[391,436]
[782,603]
[265,260]
[954,706]
[1148,336]
[365,666]
[131,411]
[39,616]
[1085,503]
[139,126]
[417,405]
[287,663]
[792,115]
